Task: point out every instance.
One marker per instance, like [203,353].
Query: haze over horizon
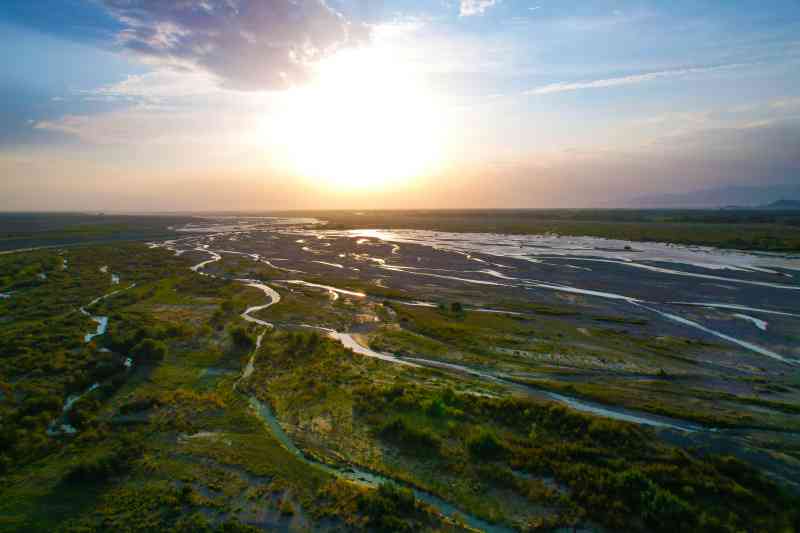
[236,105]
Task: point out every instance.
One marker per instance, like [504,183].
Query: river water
[366,477]
[701,291]
[506,262]
[348,341]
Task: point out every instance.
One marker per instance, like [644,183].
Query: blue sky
[143,105]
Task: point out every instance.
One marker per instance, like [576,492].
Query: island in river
[244,373]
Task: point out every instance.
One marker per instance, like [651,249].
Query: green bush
[420,440]
[241,339]
[234,526]
[388,508]
[435,408]
[149,350]
[193,523]
[655,506]
[104,465]
[484,445]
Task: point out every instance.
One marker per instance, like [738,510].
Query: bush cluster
[388,508]
[417,440]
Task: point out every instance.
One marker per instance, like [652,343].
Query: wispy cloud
[156,86]
[475,7]
[628,80]
[143,126]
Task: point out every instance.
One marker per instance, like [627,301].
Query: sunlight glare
[365,122]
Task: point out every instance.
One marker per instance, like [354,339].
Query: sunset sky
[149,105]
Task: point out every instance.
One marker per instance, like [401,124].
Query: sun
[365,122]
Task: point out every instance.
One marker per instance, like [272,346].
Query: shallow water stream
[348,341]
[366,477]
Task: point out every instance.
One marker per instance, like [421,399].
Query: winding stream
[271,293]
[102,321]
[586,406]
[102,325]
[601,294]
[215,257]
[348,341]
[265,413]
[366,477]
[274,298]
[326,287]
[744,344]
[529,283]
[55,428]
[757,322]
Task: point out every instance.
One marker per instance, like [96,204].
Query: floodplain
[258,373]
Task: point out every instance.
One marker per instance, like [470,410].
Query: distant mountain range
[741,197]
[778,205]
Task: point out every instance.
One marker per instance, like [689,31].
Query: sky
[147,105]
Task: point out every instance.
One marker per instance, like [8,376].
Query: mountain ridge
[743,196]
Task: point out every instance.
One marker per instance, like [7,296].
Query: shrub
[44,403]
[150,350]
[399,432]
[610,432]
[193,523]
[664,511]
[435,408]
[138,404]
[234,526]
[484,445]
[104,465]
[657,507]
[388,508]
[500,475]
[241,339]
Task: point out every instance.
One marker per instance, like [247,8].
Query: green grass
[27,230]
[417,426]
[48,484]
[171,441]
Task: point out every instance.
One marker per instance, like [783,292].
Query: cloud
[247,44]
[469,8]
[165,108]
[681,126]
[69,124]
[628,80]
[156,87]
[154,127]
